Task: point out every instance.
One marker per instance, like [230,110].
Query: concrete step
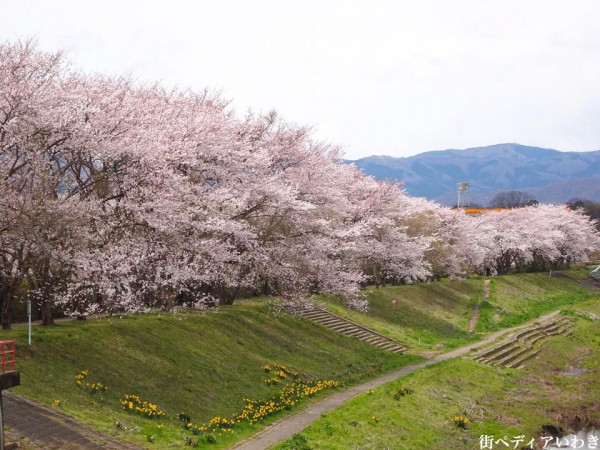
[386,345]
[343,326]
[395,350]
[534,336]
[383,342]
[343,329]
[562,330]
[378,341]
[513,356]
[303,311]
[555,325]
[524,334]
[314,315]
[357,332]
[364,337]
[502,354]
[538,339]
[313,312]
[554,331]
[326,319]
[519,362]
[371,339]
[333,323]
[349,328]
[560,326]
[568,331]
[490,352]
[524,345]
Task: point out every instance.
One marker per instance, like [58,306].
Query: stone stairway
[349,328]
[514,351]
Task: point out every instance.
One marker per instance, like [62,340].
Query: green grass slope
[436,315]
[558,389]
[201,364]
[204,365]
[517,299]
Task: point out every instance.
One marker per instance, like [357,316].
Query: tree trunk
[7,294]
[6,311]
[47,318]
[227,296]
[42,282]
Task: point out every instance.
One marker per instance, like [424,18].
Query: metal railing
[7,352]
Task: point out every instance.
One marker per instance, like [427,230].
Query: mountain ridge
[491,169]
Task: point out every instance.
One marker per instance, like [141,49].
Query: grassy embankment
[559,389]
[204,365]
[437,315]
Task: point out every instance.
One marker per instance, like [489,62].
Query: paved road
[36,426]
[286,428]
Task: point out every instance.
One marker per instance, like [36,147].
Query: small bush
[191,441]
[297,442]
[183,417]
[402,392]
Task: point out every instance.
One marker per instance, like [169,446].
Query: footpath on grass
[286,428]
[477,307]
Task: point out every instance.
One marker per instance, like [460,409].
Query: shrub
[297,442]
[402,392]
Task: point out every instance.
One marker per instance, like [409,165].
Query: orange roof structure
[484,210]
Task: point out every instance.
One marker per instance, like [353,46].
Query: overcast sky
[377,77]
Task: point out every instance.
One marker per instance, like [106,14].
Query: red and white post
[9,377]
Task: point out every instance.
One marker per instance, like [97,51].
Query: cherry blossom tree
[538,236]
[116,196]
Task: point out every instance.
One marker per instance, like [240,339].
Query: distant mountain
[549,175]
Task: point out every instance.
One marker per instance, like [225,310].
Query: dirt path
[286,428]
[34,426]
[477,308]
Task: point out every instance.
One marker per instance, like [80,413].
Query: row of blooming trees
[115,196]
